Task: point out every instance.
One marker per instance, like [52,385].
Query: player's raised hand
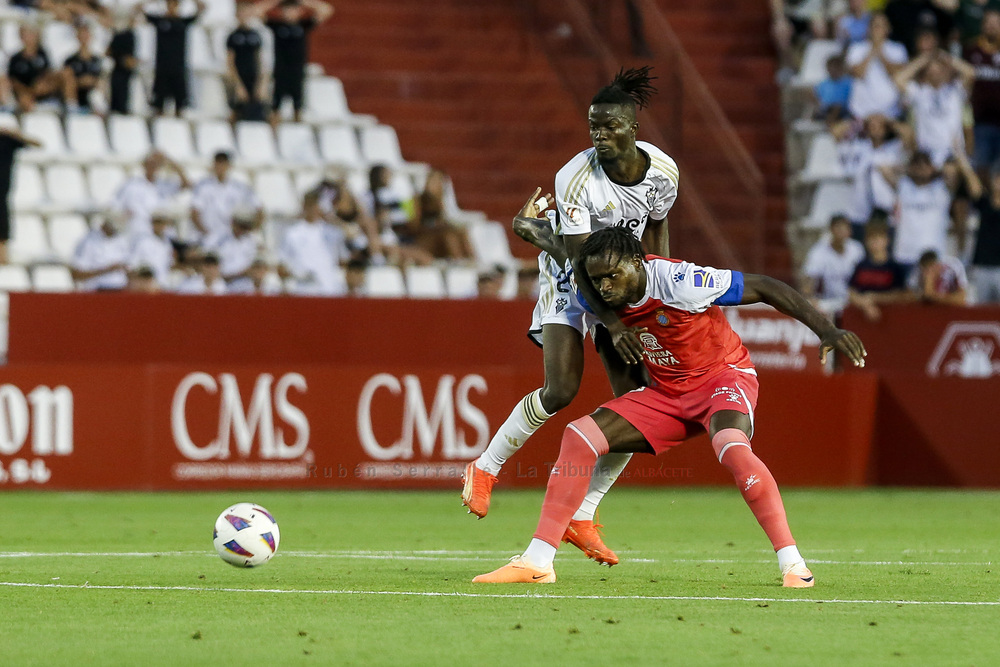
[845,342]
[626,342]
[535,205]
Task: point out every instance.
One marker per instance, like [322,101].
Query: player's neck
[627,169]
[640,287]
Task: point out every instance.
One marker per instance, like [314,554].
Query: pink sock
[582,442]
[755,482]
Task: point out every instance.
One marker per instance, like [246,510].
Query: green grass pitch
[903,578]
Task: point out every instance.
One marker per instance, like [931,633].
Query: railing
[722,189]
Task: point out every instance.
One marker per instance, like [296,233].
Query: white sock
[606,471]
[539,553]
[527,417]
[789,556]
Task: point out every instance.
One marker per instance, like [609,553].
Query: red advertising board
[775,341]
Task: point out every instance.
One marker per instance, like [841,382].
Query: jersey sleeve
[573,199]
[694,288]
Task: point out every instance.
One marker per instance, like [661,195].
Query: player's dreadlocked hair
[630,87]
[615,243]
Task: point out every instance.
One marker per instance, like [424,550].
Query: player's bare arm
[784,299]
[625,340]
[536,230]
[656,238]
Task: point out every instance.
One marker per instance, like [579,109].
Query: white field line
[451,556]
[529,596]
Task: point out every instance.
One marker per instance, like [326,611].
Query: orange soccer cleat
[584,536]
[478,485]
[797,576]
[518,571]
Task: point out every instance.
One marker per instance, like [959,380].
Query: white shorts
[558,302]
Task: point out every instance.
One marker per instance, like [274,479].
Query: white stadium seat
[306,179]
[67,188]
[10,37]
[173,137]
[462,282]
[212,136]
[201,52]
[326,100]
[139,97]
[45,127]
[297,144]
[28,242]
[830,198]
[338,144]
[52,278]
[103,181]
[813,69]
[255,141]
[425,282]
[28,187]
[14,279]
[209,96]
[490,244]
[66,230]
[129,137]
[384,282]
[87,138]
[274,187]
[379,145]
[59,42]
[823,161]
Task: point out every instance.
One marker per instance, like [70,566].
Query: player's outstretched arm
[536,230]
[784,299]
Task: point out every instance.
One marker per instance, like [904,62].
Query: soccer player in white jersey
[617,182]
[702,378]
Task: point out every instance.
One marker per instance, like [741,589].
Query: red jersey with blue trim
[687,337]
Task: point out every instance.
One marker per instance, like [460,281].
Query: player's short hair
[630,88]
[927,258]
[615,243]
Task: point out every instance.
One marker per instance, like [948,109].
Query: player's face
[612,131]
[617,282]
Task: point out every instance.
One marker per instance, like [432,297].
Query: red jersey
[687,337]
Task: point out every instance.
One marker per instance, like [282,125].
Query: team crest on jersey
[650,196]
[703,278]
[661,317]
[561,305]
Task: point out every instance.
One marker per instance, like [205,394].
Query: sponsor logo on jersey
[649,341]
[661,317]
[610,207]
[703,278]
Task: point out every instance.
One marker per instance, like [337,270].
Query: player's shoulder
[660,162]
[573,177]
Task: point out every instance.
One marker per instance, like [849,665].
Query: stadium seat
[219,12]
[813,69]
[831,197]
[823,161]
[384,282]
[87,137]
[201,51]
[462,282]
[46,127]
[490,244]
[210,96]
[9,120]
[173,137]
[59,42]
[103,181]
[28,188]
[52,278]
[129,137]
[274,187]
[10,37]
[306,179]
[28,242]
[145,44]
[297,144]
[139,97]
[14,279]
[66,230]
[255,141]
[379,145]
[67,188]
[326,100]
[212,136]
[425,282]
[338,144]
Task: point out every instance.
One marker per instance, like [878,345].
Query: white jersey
[587,200]
[922,213]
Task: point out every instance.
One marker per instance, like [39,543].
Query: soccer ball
[246,535]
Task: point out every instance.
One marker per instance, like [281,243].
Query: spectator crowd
[911,98]
[164,230]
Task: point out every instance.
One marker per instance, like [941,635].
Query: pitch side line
[527,596]
[462,556]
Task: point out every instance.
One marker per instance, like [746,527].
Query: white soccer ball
[246,535]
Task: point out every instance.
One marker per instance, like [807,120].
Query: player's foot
[518,571]
[797,576]
[584,536]
[478,485]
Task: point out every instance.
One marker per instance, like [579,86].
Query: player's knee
[555,397]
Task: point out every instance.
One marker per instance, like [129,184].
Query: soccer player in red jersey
[702,379]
